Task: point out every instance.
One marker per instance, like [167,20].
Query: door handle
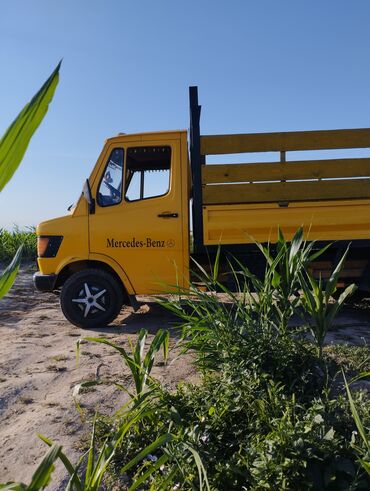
[168,214]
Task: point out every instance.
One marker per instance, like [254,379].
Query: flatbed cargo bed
[235,205]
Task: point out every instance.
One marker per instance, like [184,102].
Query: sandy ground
[38,372]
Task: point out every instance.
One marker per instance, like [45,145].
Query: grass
[267,412]
[349,357]
[10,241]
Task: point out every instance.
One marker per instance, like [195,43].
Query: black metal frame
[196,162]
[251,257]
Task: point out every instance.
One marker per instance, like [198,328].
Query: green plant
[319,304]
[97,462]
[88,473]
[139,362]
[245,330]
[10,241]
[283,271]
[9,274]
[13,146]
[363,431]
[41,477]
[267,412]
[349,357]
[248,432]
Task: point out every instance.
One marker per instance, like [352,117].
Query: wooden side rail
[278,171]
[282,182]
[284,192]
[284,142]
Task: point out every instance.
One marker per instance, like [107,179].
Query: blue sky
[262,65]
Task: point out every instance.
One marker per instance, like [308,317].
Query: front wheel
[91,298]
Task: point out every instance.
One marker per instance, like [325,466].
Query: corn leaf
[67,464]
[356,417]
[91,455]
[106,453]
[336,307]
[161,461]
[13,486]
[160,339]
[42,475]
[166,346]
[216,265]
[14,143]
[162,440]
[296,242]
[366,465]
[202,473]
[139,365]
[9,274]
[318,253]
[333,280]
[361,375]
[140,346]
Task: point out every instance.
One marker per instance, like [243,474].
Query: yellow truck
[129,233]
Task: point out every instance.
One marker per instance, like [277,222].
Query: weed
[349,357]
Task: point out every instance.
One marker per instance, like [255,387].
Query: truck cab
[128,233]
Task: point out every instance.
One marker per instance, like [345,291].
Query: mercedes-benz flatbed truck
[129,232]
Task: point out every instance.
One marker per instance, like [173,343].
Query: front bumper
[44,282]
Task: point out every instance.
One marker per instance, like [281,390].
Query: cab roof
[148,136]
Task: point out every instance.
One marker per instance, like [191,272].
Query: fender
[67,261]
[116,267]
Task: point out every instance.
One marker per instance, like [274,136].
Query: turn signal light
[42,245]
[48,246]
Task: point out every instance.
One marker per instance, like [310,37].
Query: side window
[147,172]
[110,188]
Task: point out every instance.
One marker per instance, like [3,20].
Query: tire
[91,298]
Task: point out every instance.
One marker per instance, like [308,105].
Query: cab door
[138,220]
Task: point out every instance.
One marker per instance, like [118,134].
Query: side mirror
[86,191]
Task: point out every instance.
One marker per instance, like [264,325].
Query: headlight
[48,245]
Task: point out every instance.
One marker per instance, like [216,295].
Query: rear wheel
[91,298]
